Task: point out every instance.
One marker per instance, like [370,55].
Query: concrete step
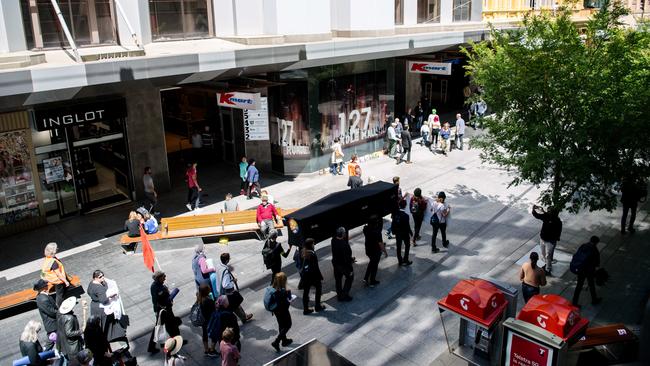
[15,61]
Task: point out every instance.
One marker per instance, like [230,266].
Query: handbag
[159,332]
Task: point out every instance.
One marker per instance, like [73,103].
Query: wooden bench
[204,225]
[24,298]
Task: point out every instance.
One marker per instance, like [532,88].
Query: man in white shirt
[460,131]
[392,139]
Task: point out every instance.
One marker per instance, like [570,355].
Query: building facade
[93,91]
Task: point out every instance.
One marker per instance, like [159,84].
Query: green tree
[570,107]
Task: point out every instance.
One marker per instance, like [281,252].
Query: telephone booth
[471,314]
[543,332]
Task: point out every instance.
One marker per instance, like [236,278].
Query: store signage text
[521,351]
[286,139]
[239,100]
[50,119]
[256,122]
[437,68]
[356,131]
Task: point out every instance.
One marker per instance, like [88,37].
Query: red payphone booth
[471,314]
[542,333]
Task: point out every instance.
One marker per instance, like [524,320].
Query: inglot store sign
[79,114]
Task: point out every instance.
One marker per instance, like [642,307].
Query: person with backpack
[228,286]
[200,267]
[206,306]
[440,211]
[531,277]
[374,244]
[417,206]
[549,235]
[585,263]
[223,318]
[277,302]
[342,260]
[272,254]
[401,227]
[310,276]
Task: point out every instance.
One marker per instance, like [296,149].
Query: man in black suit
[46,307]
[401,228]
[342,260]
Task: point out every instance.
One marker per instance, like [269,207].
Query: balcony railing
[516,9]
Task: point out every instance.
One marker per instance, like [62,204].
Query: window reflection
[178,19]
[428,11]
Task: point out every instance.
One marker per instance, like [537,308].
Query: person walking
[630,197]
[193,188]
[162,308]
[222,319]
[150,195]
[440,211]
[243,167]
[267,216]
[424,133]
[228,287]
[200,267]
[207,306]
[342,260]
[230,354]
[418,207]
[402,230]
[586,261]
[107,306]
[549,235]
[374,245]
[95,340]
[310,276]
[445,135]
[253,179]
[434,126]
[282,300]
[406,145]
[69,335]
[53,271]
[46,307]
[460,131]
[393,139]
[337,157]
[531,277]
[273,253]
[31,347]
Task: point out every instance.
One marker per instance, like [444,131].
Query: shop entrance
[101,172]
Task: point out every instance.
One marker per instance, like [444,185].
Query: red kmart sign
[239,100]
[437,68]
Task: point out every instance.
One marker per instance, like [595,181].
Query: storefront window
[179,19]
[57,183]
[428,11]
[462,10]
[18,199]
[90,22]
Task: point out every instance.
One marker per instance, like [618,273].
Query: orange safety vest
[351,169]
[48,274]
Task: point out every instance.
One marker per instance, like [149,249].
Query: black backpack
[579,259]
[267,255]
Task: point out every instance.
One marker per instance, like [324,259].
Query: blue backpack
[270,302]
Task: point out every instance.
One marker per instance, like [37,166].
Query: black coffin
[350,208]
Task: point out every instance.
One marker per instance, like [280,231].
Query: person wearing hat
[418,207]
[439,214]
[46,306]
[267,216]
[172,347]
[69,335]
[277,252]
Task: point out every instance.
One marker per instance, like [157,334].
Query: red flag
[147,251]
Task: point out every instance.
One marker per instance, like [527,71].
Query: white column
[223,13]
[12,33]
[410,12]
[364,15]
[446,12]
[249,17]
[477,11]
[137,12]
[297,17]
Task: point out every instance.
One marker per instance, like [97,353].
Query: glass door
[57,182]
[228,134]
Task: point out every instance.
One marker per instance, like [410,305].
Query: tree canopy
[570,104]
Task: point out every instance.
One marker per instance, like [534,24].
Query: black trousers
[417,220]
[399,240]
[307,285]
[254,187]
[193,197]
[528,291]
[581,281]
[371,270]
[171,323]
[443,233]
[626,209]
[60,290]
[344,289]
[284,324]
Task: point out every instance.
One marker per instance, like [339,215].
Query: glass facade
[428,11]
[350,102]
[91,22]
[179,19]
[18,199]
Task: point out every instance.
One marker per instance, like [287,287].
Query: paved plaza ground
[397,322]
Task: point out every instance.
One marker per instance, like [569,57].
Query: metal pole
[128,24]
[68,36]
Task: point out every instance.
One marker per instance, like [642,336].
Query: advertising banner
[521,351]
[53,170]
[239,100]
[436,68]
[256,122]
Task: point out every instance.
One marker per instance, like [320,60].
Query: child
[229,352]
